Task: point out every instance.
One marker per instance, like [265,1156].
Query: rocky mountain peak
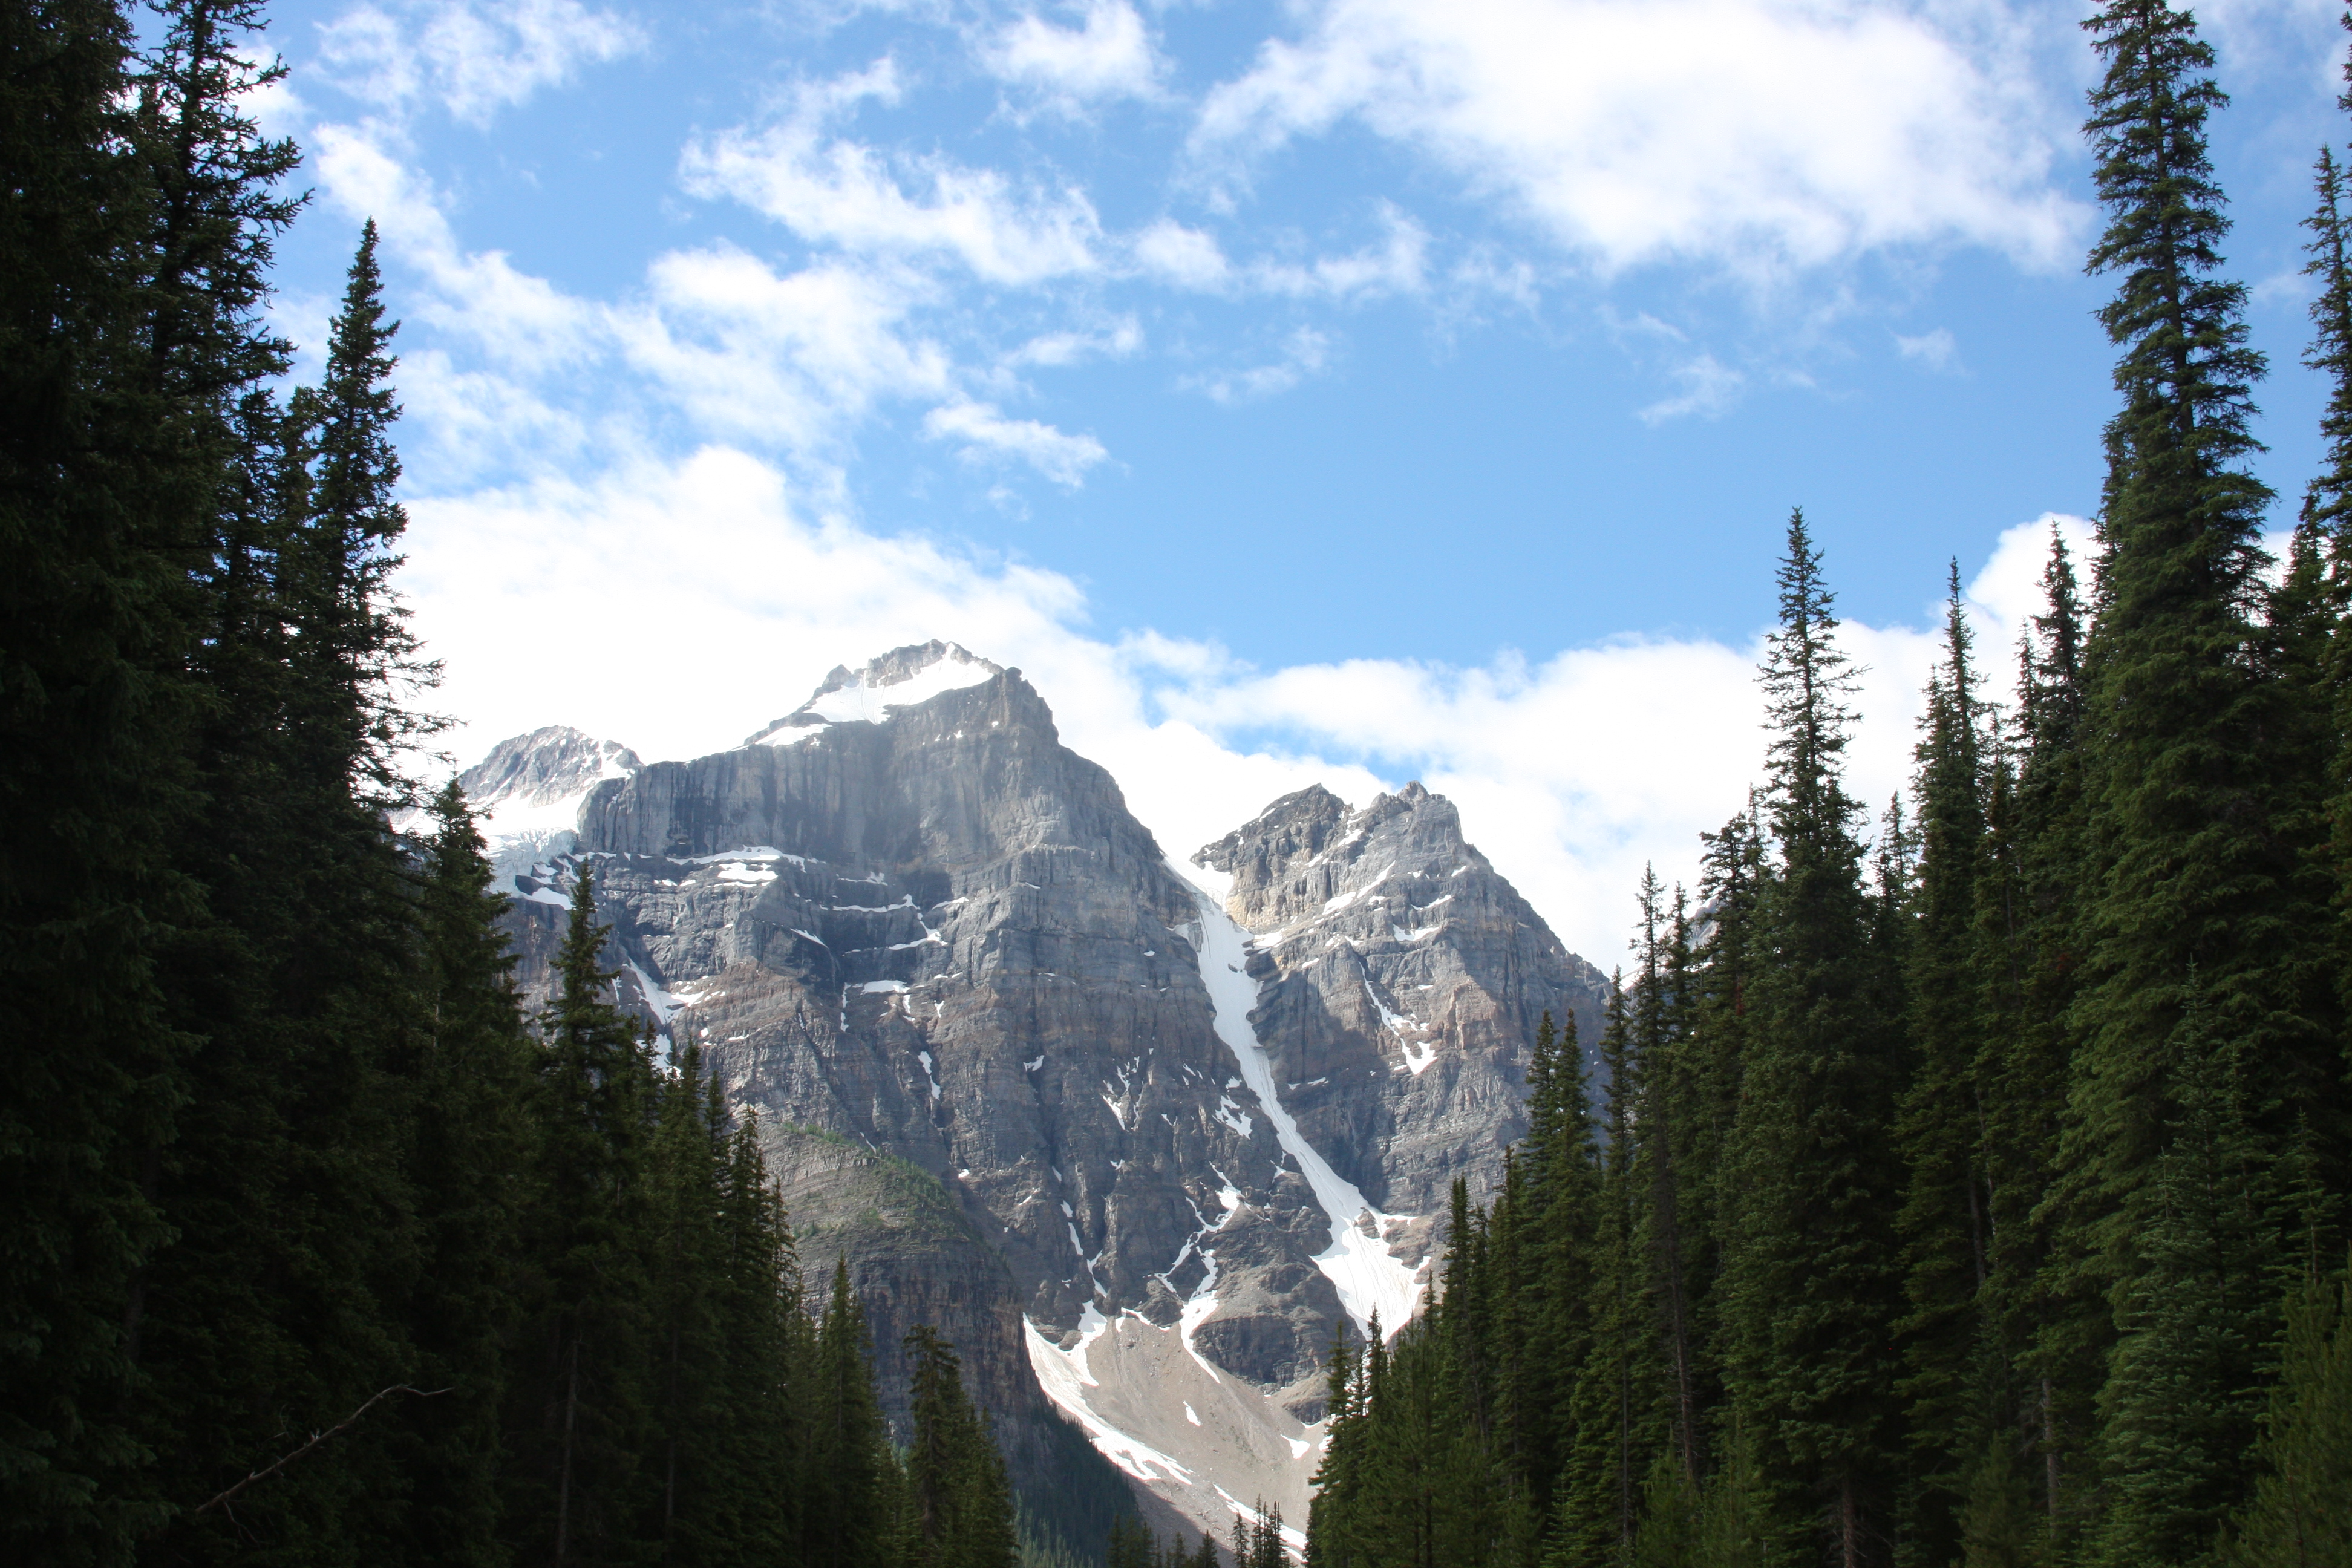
[903,678]
[1308,856]
[527,794]
[1140,1153]
[546,773]
[1400,981]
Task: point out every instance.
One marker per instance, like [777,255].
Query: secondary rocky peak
[903,678]
[1307,855]
[1401,984]
[553,766]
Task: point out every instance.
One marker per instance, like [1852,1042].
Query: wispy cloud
[1936,351]
[1709,388]
[1304,352]
[469,58]
[868,201]
[982,432]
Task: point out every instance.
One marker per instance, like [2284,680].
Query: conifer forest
[1968,1180]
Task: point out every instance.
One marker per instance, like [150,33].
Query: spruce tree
[470,1174]
[2051,1314]
[584,1371]
[2195,1322]
[1812,1288]
[98,617]
[2197,851]
[2301,1515]
[1945,1221]
[962,1505]
[848,1448]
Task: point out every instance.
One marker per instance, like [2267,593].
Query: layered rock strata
[1123,1142]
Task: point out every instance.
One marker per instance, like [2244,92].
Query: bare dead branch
[316,1439]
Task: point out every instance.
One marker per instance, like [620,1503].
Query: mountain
[1139,1148]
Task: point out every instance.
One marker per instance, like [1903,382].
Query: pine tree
[1945,1218]
[849,1450]
[1612,1399]
[2052,1316]
[584,1378]
[282,1303]
[2197,857]
[2195,1323]
[1676,1252]
[2300,1516]
[1811,1289]
[469,1173]
[97,620]
[962,1504]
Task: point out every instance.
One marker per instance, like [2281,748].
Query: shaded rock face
[1002,1055]
[1400,983]
[917,1257]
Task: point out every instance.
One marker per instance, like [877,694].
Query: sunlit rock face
[1401,982]
[1141,1151]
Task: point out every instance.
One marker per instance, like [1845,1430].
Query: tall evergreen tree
[97,620]
[2196,860]
[469,1172]
[583,1383]
[961,1503]
[1945,1218]
[1812,1288]
[2300,1516]
[849,1449]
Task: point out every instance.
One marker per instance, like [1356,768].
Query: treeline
[313,1250]
[1973,1190]
[1257,1543]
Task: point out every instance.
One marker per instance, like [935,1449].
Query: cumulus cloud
[1750,134]
[470,57]
[1109,55]
[1573,771]
[1188,258]
[866,201]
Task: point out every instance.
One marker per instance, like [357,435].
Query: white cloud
[470,57]
[521,321]
[850,195]
[1709,388]
[1398,263]
[1188,258]
[1108,56]
[1395,266]
[1304,352]
[1118,341]
[793,358]
[1938,350]
[983,432]
[1751,134]
[1571,773]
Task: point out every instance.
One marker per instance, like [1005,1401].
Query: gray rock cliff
[1139,1153]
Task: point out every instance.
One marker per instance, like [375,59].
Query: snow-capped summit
[526,793]
[900,678]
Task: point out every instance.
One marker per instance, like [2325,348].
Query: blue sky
[1347,389]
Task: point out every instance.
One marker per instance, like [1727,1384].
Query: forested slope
[314,1249]
[1968,1186]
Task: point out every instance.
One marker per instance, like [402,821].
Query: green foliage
[2301,1515]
